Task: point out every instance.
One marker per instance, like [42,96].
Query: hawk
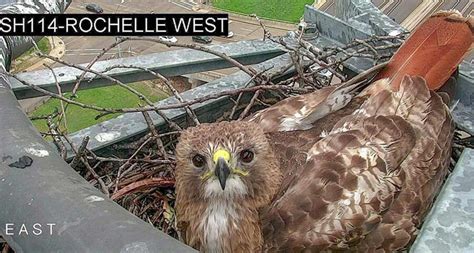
[329,170]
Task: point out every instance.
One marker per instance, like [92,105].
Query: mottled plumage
[362,182]
[325,171]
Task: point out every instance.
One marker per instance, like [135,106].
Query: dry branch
[143,185]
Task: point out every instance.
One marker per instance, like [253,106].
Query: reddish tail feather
[433,50]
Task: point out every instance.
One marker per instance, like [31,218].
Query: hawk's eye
[198,161]
[246,156]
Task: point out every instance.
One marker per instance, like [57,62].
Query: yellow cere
[207,175]
[221,153]
[238,171]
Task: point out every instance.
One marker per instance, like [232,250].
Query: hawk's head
[226,160]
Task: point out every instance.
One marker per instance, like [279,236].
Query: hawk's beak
[222,170]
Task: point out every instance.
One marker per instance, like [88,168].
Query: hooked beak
[222,171]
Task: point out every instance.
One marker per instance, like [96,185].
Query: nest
[140,174]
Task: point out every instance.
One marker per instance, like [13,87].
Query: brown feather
[433,51]
[425,169]
[301,112]
[307,213]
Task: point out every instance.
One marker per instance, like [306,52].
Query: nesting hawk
[327,171]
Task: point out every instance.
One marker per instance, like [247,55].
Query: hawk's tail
[433,51]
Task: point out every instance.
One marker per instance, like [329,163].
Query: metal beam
[171,63]
[358,19]
[49,191]
[131,125]
[449,227]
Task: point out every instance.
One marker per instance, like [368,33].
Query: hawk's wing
[425,170]
[433,51]
[367,166]
[300,112]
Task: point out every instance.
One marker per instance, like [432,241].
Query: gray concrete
[464,103]
[401,9]
[83,49]
[357,19]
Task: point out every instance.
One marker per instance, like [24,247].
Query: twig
[104,51]
[142,185]
[237,101]
[114,80]
[56,139]
[155,135]
[120,175]
[168,84]
[80,152]
[104,188]
[249,106]
[266,33]
[121,160]
[247,69]
[96,176]
[162,107]
[58,87]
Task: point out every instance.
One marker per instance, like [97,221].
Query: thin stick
[58,87]
[98,57]
[155,135]
[161,107]
[168,84]
[80,152]
[247,69]
[96,176]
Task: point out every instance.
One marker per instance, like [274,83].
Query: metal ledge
[171,63]
[343,29]
[49,191]
[463,112]
[132,125]
[450,224]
